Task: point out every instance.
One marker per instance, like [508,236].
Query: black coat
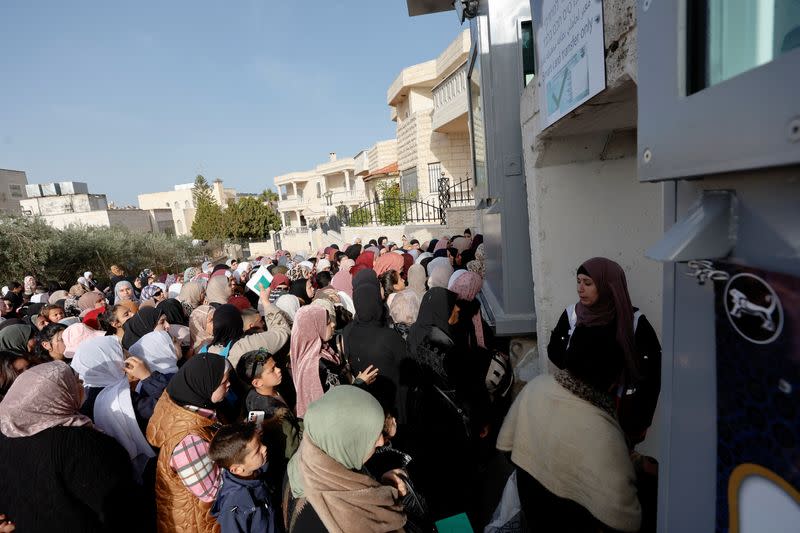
[68,479]
[595,357]
[368,340]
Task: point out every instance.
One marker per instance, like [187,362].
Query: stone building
[429,104]
[181,202]
[70,204]
[12,190]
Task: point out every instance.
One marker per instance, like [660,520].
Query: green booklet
[454,524]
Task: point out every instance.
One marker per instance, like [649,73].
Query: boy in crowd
[243,502]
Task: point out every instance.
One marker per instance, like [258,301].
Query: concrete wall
[12,190]
[382,154]
[181,202]
[90,218]
[69,203]
[136,220]
[584,198]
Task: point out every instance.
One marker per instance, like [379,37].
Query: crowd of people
[361,390]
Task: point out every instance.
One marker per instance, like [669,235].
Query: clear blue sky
[139,96]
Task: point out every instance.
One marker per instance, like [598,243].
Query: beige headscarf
[218,290]
[45,396]
[417,279]
[197,325]
[573,448]
[192,294]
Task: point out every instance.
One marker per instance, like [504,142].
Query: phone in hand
[256,416]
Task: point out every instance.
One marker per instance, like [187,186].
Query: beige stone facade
[181,201]
[429,103]
[12,190]
[314,194]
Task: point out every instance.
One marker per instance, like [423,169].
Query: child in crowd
[243,502]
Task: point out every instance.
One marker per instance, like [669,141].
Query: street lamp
[328,195]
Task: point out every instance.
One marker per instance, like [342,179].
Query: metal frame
[673,134]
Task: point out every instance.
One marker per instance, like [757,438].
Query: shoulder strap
[572,316]
[636,316]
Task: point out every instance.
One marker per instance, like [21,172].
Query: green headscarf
[14,338]
[344,423]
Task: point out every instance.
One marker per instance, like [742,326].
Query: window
[729,37]
[434,173]
[528,56]
[477,131]
[16,190]
[319,190]
[186,204]
[408,181]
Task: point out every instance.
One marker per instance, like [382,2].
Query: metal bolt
[793,130]
[647,155]
[646,5]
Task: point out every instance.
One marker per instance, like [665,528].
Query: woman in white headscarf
[288,304]
[100,363]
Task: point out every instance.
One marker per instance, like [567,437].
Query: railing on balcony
[451,87]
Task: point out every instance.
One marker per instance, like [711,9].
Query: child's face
[55,315]
[255,458]
[270,375]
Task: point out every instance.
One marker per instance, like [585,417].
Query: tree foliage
[29,246]
[269,196]
[201,190]
[250,219]
[244,219]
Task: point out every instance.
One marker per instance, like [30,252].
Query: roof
[388,170]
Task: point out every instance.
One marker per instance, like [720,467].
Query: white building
[66,204]
[316,193]
[12,189]
[429,104]
[181,202]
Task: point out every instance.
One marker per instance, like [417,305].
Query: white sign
[570,54]
[262,278]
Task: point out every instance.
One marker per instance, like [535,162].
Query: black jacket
[68,479]
[595,357]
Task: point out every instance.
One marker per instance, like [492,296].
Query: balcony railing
[450,88]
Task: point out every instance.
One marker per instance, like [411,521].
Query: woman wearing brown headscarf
[52,451]
[604,342]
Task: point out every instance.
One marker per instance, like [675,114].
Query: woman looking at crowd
[391,283]
[59,473]
[112,321]
[182,426]
[328,488]
[608,344]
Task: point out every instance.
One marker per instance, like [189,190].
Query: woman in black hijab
[353,251]
[140,325]
[173,310]
[182,426]
[369,341]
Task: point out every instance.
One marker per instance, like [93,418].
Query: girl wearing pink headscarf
[467,286]
[315,366]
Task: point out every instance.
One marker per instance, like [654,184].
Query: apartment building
[180,201]
[66,204]
[430,106]
[12,190]
[317,193]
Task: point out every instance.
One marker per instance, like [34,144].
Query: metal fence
[394,212]
[461,192]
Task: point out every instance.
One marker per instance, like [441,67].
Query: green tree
[201,190]
[209,220]
[391,210]
[249,219]
[269,196]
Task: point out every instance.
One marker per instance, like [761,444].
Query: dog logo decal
[753,308]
